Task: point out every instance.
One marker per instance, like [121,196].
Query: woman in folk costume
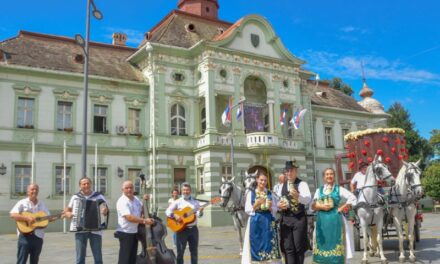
[332,241]
[261,241]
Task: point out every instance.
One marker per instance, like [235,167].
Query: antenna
[363,72]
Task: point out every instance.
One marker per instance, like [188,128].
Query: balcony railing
[261,139]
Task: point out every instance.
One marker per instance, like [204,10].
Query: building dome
[370,104]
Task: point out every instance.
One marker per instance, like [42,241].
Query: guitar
[41,221]
[187,216]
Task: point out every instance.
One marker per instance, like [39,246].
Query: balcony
[262,142]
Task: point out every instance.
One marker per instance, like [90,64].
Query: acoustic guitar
[41,221]
[187,216]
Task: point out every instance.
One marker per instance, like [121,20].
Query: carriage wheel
[357,238]
[417,231]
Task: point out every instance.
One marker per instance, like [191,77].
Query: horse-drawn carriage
[400,200]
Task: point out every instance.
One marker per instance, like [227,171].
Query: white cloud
[349,66]
[133,36]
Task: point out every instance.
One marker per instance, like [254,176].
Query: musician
[174,196]
[29,245]
[294,196]
[95,237]
[130,215]
[190,234]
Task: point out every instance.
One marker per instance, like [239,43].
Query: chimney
[119,39]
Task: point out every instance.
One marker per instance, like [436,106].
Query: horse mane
[400,180]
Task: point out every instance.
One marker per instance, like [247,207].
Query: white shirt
[359,180]
[125,207]
[26,205]
[249,208]
[76,197]
[181,203]
[171,200]
[277,187]
[304,192]
[346,195]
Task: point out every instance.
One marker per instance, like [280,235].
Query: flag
[297,117]
[283,116]
[226,116]
[239,111]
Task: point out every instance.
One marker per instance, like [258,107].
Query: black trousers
[29,246]
[190,236]
[128,245]
[293,230]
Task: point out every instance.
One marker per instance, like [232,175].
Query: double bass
[153,237]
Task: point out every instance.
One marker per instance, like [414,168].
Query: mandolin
[41,221]
[187,215]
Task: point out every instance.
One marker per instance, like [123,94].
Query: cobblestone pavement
[217,245]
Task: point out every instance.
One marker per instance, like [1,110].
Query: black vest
[294,208]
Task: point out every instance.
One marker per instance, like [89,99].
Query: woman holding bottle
[261,242]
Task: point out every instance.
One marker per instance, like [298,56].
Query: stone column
[211,119]
[270,104]
[238,125]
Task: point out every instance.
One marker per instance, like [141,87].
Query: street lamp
[85,46]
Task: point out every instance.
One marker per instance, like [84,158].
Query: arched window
[203,119]
[178,121]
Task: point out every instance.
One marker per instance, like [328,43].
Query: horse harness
[233,209]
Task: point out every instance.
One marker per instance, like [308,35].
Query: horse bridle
[417,170]
[373,165]
[226,198]
[250,177]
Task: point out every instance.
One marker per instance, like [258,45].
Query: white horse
[250,181]
[369,211]
[229,191]
[403,195]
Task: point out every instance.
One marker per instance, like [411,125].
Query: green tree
[418,147]
[435,143]
[337,84]
[431,181]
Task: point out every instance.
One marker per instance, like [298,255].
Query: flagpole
[64,184]
[33,161]
[232,135]
[96,167]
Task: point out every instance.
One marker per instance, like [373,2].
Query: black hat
[291,164]
[363,164]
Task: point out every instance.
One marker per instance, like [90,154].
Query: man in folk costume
[294,198]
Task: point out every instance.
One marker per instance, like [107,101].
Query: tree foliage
[337,84]
[431,181]
[418,147]
[435,143]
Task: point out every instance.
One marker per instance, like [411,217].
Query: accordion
[87,215]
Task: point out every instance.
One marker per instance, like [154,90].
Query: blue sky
[398,41]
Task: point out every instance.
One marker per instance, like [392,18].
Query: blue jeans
[81,245]
[29,245]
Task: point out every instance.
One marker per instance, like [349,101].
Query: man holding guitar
[29,244]
[190,234]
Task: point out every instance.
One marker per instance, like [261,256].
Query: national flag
[226,116]
[239,111]
[283,116]
[297,117]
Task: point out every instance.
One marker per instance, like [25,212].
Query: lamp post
[85,46]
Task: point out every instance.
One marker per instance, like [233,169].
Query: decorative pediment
[179,94]
[101,98]
[65,94]
[27,90]
[254,34]
[135,101]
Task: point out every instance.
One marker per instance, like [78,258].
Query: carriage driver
[358,180]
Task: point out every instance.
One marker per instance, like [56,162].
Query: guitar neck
[48,217]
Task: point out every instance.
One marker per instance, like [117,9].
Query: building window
[345,131]
[178,120]
[179,178]
[203,119]
[64,116]
[227,172]
[22,178]
[328,133]
[102,179]
[266,123]
[133,175]
[201,181]
[100,119]
[134,123]
[25,112]
[59,180]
